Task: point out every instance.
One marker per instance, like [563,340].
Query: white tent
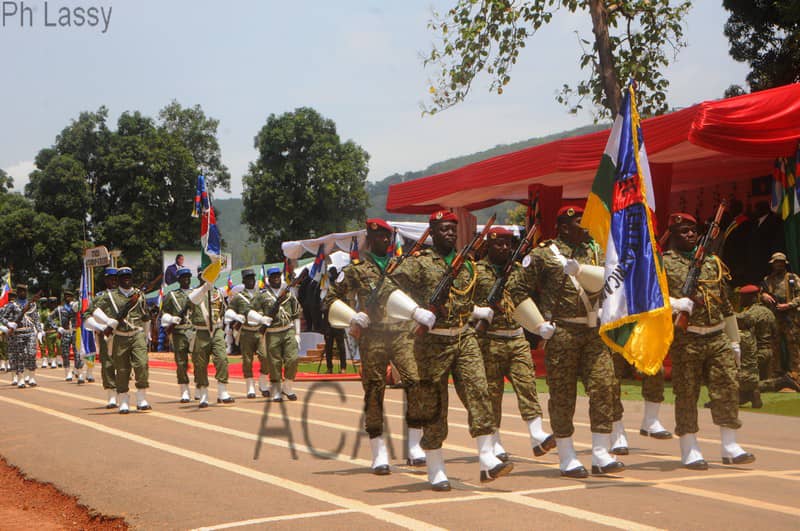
[410,231]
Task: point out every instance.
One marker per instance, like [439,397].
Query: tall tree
[632,39]
[306,182]
[199,134]
[766,35]
[6,182]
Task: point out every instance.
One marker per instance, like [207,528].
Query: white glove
[482,313]
[296,338]
[546,330]
[12,325]
[684,304]
[75,305]
[61,330]
[40,337]
[424,317]
[360,319]
[737,353]
[233,316]
[571,267]
[113,323]
[3,329]
[267,320]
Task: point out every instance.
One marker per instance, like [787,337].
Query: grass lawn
[775,403]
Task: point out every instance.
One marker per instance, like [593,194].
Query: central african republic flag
[635,315]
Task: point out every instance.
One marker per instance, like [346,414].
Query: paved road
[305,463]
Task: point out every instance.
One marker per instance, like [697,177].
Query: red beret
[442,215]
[378,224]
[677,218]
[499,232]
[569,211]
[749,289]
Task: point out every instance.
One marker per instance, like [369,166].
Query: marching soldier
[282,338]
[107,371]
[707,351]
[383,340]
[757,331]
[49,349]
[448,347]
[206,313]
[241,304]
[781,290]
[506,352]
[19,320]
[5,364]
[64,320]
[566,276]
[123,313]
[174,318]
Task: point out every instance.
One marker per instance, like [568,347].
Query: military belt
[251,328]
[183,327]
[505,333]
[203,328]
[448,332]
[706,330]
[573,320]
[128,333]
[280,329]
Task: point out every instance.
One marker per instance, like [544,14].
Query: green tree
[6,182]
[199,134]
[632,39]
[766,35]
[305,182]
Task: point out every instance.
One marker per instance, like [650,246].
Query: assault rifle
[442,292]
[393,264]
[692,278]
[168,330]
[496,293]
[276,306]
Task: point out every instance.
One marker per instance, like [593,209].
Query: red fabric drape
[709,143]
[549,203]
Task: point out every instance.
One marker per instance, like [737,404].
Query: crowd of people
[739,343]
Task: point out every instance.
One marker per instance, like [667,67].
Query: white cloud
[20,172]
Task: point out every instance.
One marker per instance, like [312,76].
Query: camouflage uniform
[280,345]
[22,343]
[249,336]
[50,348]
[382,342]
[107,371]
[575,350]
[63,316]
[786,289]
[3,349]
[652,386]
[756,330]
[128,342]
[506,352]
[703,353]
[438,355]
[175,303]
[209,339]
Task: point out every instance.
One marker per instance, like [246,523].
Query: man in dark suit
[171,273]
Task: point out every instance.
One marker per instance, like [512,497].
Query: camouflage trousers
[130,353]
[510,357]
[250,347]
[180,351]
[282,353]
[748,374]
[107,371]
[697,359]
[51,349]
[67,345]
[573,352]
[788,339]
[437,358]
[377,348]
[652,386]
[206,348]
[4,348]
[22,351]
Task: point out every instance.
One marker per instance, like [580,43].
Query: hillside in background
[236,236]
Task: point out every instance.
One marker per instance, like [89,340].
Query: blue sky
[357,62]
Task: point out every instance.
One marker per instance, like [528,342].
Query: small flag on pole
[319,264]
[85,339]
[5,289]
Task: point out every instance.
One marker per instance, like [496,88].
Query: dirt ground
[25,503]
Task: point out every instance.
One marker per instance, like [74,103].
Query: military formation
[438,314]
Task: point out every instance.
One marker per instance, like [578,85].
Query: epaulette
[356,261]
[545,243]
